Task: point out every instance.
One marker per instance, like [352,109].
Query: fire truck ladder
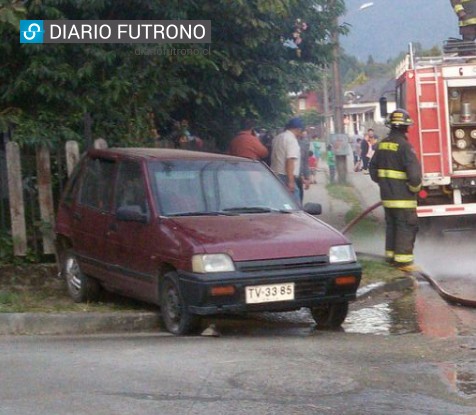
[429,132]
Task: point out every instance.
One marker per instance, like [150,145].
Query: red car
[199,234]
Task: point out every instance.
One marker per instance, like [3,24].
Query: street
[293,372]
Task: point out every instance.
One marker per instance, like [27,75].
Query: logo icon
[31,31]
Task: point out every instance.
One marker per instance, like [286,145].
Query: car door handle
[77,215]
[112,227]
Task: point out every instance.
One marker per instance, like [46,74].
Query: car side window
[97,183]
[130,187]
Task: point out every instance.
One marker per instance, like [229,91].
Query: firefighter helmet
[399,117]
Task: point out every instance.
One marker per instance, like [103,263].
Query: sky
[385,28]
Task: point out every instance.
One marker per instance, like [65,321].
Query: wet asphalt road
[297,371]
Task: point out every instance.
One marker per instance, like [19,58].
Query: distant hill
[385,28]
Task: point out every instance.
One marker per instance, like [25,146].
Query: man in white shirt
[286,155]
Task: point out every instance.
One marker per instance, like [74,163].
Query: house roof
[372,90]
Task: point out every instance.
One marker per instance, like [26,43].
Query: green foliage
[7,256]
[312,117]
[11,12]
[128,90]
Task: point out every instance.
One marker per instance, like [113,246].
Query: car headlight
[205,263]
[341,253]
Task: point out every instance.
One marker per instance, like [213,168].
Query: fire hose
[450,298]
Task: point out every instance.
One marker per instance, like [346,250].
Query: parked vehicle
[440,95]
[199,234]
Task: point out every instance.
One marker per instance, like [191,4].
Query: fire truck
[440,95]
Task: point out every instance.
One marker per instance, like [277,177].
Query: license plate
[267,293]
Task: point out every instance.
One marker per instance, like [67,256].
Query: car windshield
[188,187]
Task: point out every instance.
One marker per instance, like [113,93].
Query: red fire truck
[440,95]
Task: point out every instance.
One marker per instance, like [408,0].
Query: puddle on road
[392,317]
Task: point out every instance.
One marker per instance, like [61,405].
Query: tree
[119,91]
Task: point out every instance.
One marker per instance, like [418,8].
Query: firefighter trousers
[400,234]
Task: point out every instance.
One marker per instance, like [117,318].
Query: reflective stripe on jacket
[397,171]
[469,8]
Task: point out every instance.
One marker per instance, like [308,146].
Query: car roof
[160,154]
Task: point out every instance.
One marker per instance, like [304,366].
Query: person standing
[247,144]
[356,150]
[396,169]
[304,179]
[315,147]
[312,161]
[286,155]
[466,12]
[331,163]
[367,149]
[364,149]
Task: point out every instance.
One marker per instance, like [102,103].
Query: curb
[75,323]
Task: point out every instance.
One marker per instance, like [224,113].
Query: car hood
[259,236]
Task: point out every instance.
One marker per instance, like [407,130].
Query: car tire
[330,316]
[81,287]
[173,309]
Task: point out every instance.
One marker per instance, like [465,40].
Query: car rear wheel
[175,315]
[330,316]
[81,287]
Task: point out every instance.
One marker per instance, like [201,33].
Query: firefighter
[466,12]
[397,171]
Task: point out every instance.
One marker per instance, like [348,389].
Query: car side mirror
[131,213]
[313,208]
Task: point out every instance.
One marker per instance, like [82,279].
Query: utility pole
[337,85]
[339,141]
[325,98]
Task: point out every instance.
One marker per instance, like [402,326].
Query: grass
[376,271]
[49,300]
[55,299]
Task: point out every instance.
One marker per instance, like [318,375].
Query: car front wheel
[81,287]
[330,316]
[175,315]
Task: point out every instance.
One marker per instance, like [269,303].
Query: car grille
[288,264]
[303,271]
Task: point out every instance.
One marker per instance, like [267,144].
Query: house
[305,101]
[361,105]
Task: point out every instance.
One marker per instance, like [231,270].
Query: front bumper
[314,280]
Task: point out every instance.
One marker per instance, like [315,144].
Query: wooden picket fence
[44,183]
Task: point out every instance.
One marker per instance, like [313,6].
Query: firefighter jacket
[466,11]
[397,171]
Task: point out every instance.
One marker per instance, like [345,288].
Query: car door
[91,212]
[130,240]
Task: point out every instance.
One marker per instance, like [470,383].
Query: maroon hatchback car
[199,234]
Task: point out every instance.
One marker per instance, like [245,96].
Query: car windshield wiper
[202,213]
[255,209]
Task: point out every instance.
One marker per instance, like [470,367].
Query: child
[313,166]
[331,163]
